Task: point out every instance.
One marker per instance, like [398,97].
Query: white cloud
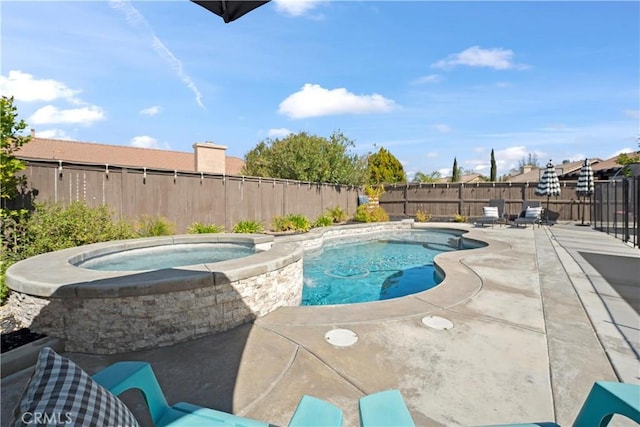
[151,111]
[442,128]
[137,20]
[280,132]
[315,101]
[634,114]
[54,134]
[145,141]
[295,7]
[431,78]
[475,56]
[432,155]
[24,87]
[51,115]
[445,172]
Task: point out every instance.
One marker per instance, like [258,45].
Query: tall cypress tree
[494,168]
[456,172]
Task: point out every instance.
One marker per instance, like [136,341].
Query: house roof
[115,155]
[473,177]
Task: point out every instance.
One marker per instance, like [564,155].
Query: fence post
[406,199]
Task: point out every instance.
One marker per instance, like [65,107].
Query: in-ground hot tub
[123,308]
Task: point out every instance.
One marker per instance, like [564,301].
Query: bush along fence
[182,197]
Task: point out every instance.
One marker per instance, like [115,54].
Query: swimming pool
[389,266]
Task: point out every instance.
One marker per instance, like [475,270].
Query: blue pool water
[167,256]
[389,267]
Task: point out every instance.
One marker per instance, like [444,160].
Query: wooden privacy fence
[183,197]
[448,199]
[186,197]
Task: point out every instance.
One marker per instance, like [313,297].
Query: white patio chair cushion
[61,393]
[533,213]
[490,212]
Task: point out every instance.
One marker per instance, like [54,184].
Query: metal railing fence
[615,208]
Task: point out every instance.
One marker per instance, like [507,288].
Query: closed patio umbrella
[230,10]
[549,185]
[585,186]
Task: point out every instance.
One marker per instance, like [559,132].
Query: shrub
[337,214]
[291,222]
[150,226]
[281,223]
[198,228]
[374,191]
[366,213]
[423,216]
[323,221]
[300,222]
[248,226]
[51,227]
[460,218]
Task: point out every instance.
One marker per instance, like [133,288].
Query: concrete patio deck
[541,325]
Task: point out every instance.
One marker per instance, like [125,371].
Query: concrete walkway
[534,325]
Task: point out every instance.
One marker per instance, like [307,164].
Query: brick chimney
[525,168]
[209,157]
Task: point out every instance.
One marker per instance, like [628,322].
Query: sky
[429,81]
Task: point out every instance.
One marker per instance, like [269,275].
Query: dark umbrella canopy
[549,184]
[585,180]
[230,10]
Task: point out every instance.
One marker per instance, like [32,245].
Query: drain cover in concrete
[341,337]
[436,322]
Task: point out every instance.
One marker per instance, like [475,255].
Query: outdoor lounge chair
[605,400]
[492,213]
[531,214]
[59,387]
[123,376]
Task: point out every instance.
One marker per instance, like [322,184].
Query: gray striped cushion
[59,393]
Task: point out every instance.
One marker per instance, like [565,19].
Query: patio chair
[122,376]
[531,214]
[59,386]
[492,213]
[605,400]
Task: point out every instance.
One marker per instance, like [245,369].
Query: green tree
[626,159]
[455,175]
[494,168]
[12,140]
[384,167]
[307,157]
[432,177]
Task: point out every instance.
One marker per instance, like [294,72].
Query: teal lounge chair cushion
[385,409]
[313,412]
